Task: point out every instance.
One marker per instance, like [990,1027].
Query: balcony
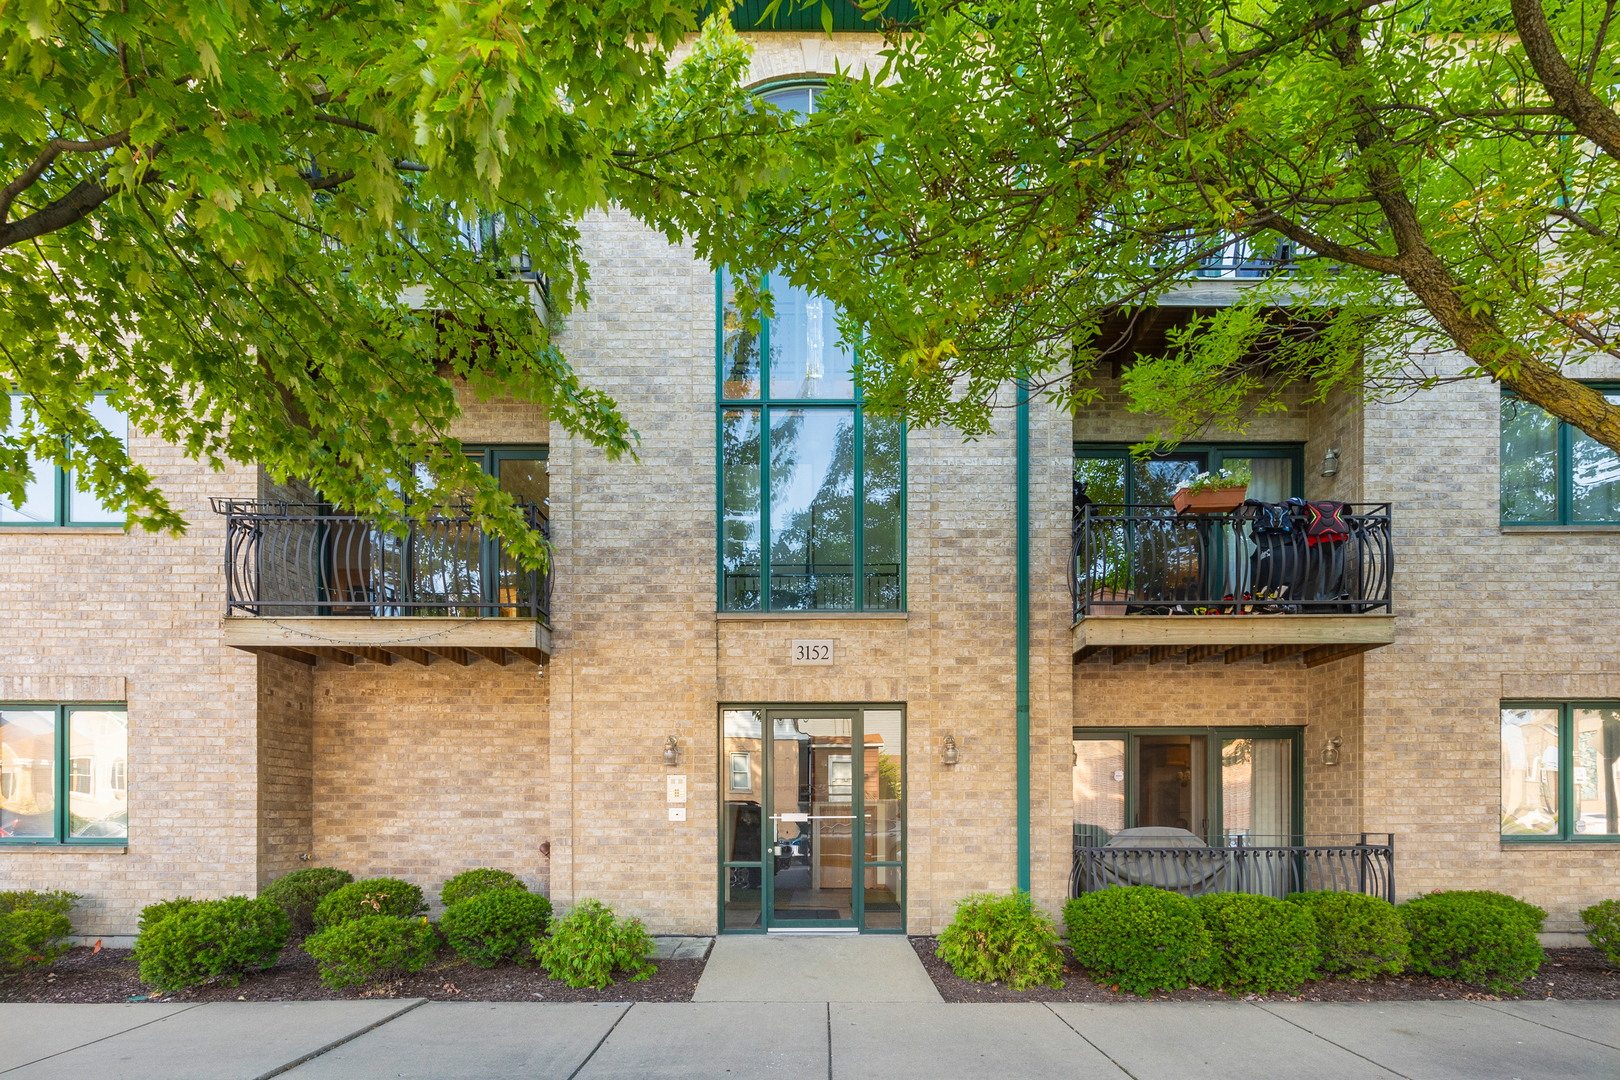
[307,582]
[1146,579]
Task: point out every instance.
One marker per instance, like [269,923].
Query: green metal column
[1023,635]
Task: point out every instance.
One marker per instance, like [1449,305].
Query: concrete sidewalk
[895,1040]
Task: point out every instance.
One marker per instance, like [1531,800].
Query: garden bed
[82,975]
[1567,974]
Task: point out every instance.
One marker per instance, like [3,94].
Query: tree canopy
[1403,180]
[277,233]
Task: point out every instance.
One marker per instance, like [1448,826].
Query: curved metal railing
[1272,867]
[295,559]
[1150,560]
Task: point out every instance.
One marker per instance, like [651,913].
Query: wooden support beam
[407,652]
[1087,653]
[1326,654]
[1123,653]
[1238,652]
[1201,652]
[1281,652]
[1158,654]
[533,656]
[337,656]
[297,656]
[495,656]
[376,656]
[452,653]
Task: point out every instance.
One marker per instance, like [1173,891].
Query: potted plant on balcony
[1113,592]
[1218,492]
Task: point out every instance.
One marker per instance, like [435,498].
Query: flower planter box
[1217,501]
[1108,602]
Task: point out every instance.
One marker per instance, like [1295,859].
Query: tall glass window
[1553,473]
[56,496]
[812,489]
[64,774]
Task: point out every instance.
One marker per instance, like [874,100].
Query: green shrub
[1358,936]
[34,927]
[495,926]
[1002,939]
[1258,943]
[373,896]
[368,947]
[589,944]
[1139,938]
[152,914]
[1603,928]
[299,892]
[470,883]
[210,939]
[1478,937]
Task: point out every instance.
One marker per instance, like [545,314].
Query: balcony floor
[1316,639]
[384,640]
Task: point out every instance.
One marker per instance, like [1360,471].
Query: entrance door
[824,790]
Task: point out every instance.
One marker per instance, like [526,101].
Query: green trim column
[1023,635]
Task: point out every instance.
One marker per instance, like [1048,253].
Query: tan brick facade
[242,768]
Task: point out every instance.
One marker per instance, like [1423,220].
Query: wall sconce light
[672,752]
[1330,462]
[1330,752]
[949,756]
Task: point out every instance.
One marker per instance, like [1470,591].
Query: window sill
[795,616]
[1510,529]
[67,530]
[113,849]
[1520,845]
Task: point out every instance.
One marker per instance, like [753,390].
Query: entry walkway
[814,967]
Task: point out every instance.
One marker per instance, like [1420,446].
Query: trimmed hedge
[494,926]
[152,914]
[204,940]
[34,927]
[1139,938]
[589,944]
[1359,936]
[1479,937]
[358,950]
[1259,944]
[1002,939]
[1603,928]
[373,896]
[300,891]
[471,883]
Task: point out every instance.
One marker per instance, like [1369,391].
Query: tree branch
[1591,117]
[36,169]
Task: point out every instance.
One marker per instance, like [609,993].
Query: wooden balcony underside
[383,641]
[1314,639]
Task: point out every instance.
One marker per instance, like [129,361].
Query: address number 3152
[806,651]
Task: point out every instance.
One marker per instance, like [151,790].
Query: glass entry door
[813,819]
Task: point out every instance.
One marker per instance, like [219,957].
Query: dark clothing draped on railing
[1149,560]
[296,559]
[1263,865]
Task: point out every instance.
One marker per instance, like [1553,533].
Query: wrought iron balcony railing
[1149,560]
[301,559]
[1269,866]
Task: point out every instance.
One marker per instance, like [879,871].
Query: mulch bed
[111,976]
[1566,975]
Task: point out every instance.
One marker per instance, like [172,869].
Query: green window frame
[1209,456]
[760,400]
[1572,761]
[58,484]
[1537,483]
[1212,767]
[71,774]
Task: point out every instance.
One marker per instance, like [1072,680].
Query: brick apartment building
[670,723]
